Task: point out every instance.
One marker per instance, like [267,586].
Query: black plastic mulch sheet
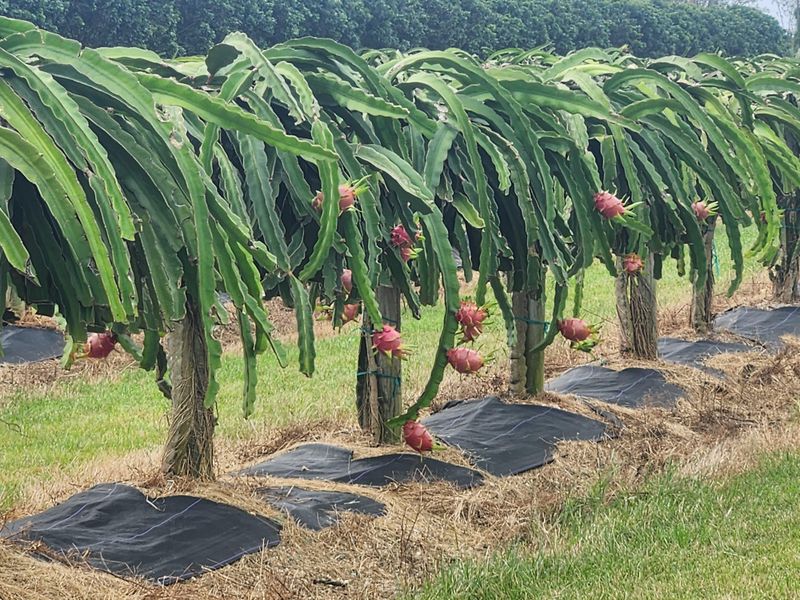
[632,387]
[317,509]
[761,325]
[332,463]
[29,344]
[115,528]
[694,354]
[506,439]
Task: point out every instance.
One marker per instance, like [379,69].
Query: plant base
[189,450]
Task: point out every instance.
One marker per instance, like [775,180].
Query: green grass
[674,539]
[76,422]
[672,289]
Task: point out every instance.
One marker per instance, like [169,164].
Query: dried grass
[41,377]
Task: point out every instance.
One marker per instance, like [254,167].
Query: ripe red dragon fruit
[632,263]
[608,205]
[389,341]
[100,345]
[347,281]
[406,253]
[701,210]
[470,313]
[400,238]
[350,312]
[417,436]
[464,360]
[471,317]
[575,330]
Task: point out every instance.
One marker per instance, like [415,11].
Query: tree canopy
[179,27]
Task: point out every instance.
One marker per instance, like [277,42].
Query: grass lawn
[78,421]
[676,538]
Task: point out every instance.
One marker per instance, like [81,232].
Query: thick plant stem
[527,367]
[379,383]
[700,315]
[189,450]
[535,336]
[518,375]
[637,312]
[785,274]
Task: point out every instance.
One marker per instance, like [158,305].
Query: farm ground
[678,536]
[593,517]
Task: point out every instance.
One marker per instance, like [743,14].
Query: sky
[772,7]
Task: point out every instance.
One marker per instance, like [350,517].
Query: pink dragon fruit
[399,237]
[471,317]
[470,313]
[632,263]
[389,341]
[575,330]
[347,280]
[417,436]
[471,332]
[316,203]
[608,205]
[347,199]
[702,210]
[464,360]
[100,345]
[350,312]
